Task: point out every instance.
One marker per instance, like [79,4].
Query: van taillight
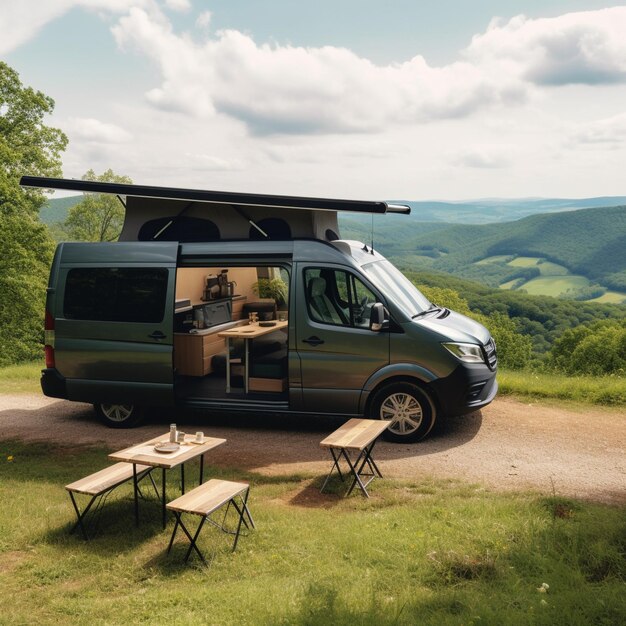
[49,339]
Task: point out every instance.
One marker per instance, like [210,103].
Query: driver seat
[321,303]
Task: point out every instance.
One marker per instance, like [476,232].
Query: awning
[214,197]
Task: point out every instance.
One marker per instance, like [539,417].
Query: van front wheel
[408,408]
[118,415]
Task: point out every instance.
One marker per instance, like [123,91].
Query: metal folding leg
[81,516]
[100,498]
[356,468]
[242,512]
[365,458]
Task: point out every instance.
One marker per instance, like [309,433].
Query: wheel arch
[398,373]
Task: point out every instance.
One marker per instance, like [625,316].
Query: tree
[99,217]
[514,348]
[595,349]
[27,146]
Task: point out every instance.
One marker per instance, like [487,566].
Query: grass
[553,285]
[610,390]
[607,390]
[22,378]
[524,261]
[422,551]
[611,297]
[502,258]
[547,268]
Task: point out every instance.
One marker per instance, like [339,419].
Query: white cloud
[209,162]
[287,89]
[178,5]
[482,157]
[577,48]
[95,131]
[21,20]
[204,19]
[296,90]
[609,133]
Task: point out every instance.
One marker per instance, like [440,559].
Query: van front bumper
[53,384]
[467,389]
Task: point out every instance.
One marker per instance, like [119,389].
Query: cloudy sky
[345,98]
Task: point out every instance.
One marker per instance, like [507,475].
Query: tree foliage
[514,348]
[27,146]
[541,318]
[590,242]
[595,349]
[100,216]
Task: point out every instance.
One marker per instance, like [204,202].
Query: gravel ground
[509,445]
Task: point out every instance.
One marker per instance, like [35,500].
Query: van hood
[455,327]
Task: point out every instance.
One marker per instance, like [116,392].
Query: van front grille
[490,353]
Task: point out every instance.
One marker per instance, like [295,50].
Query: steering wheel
[359,309]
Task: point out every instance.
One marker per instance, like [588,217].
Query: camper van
[237,303]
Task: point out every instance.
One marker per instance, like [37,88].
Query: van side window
[112,294]
[337,297]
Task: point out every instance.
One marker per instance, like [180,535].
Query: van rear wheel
[409,409]
[118,415]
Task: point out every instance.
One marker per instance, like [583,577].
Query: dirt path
[508,445]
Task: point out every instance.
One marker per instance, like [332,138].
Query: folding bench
[100,484]
[205,500]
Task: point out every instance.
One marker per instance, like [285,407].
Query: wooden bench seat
[205,500]
[100,483]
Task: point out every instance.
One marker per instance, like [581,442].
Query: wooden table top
[251,331]
[355,434]
[139,454]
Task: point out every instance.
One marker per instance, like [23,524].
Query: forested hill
[502,209]
[588,242]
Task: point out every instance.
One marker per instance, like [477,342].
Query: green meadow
[553,285]
[421,551]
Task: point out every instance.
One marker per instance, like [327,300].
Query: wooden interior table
[145,454]
[247,332]
[360,436]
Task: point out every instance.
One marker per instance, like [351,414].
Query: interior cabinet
[193,352]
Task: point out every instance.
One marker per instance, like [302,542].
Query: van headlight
[468,352]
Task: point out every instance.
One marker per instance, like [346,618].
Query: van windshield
[397,287]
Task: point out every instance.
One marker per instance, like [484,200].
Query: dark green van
[244,303]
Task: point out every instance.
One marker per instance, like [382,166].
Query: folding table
[247,332]
[145,454]
[355,436]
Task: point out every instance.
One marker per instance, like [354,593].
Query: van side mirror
[379,318]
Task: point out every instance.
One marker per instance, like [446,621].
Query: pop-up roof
[174,214]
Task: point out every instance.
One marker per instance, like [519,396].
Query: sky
[345,98]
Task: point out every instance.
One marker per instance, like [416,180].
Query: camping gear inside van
[161,317]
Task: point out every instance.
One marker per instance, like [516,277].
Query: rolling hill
[590,243]
[582,250]
[502,209]
[56,209]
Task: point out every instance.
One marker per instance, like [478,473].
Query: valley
[565,248]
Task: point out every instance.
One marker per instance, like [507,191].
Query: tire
[118,415]
[409,408]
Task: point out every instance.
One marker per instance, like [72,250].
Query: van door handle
[158,335]
[314,341]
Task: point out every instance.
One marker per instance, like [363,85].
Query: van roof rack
[214,197]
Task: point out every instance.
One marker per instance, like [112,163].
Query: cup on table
[181,436]
[253,317]
[282,317]
[199,437]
